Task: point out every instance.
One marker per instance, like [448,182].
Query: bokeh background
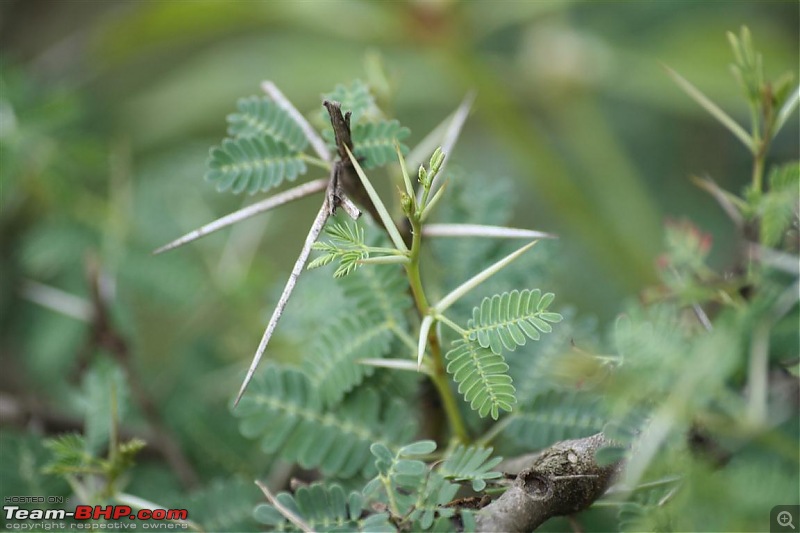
[107,111]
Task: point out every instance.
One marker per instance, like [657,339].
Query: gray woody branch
[561,480]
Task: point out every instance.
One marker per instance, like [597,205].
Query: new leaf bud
[407,203]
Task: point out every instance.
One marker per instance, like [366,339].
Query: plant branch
[561,480]
[428,335]
[442,382]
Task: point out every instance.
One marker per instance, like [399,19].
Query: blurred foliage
[106,114]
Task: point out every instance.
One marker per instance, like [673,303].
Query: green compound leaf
[509,319]
[380,293]
[471,464]
[224,505]
[373,143]
[430,499]
[415,493]
[355,99]
[324,509]
[346,244]
[284,410]
[69,454]
[333,366]
[261,117]
[399,470]
[253,164]
[482,378]
[380,296]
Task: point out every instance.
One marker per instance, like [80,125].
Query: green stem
[758,171]
[442,383]
[412,269]
[761,143]
[387,486]
[439,371]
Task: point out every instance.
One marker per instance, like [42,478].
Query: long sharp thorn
[479,230]
[272,202]
[313,233]
[311,134]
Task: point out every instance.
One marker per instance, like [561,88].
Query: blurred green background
[107,111]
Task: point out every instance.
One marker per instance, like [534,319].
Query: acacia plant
[330,411]
[420,364]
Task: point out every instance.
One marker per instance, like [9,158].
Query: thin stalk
[447,322]
[412,269]
[761,143]
[387,486]
[113,436]
[385,250]
[438,371]
[757,375]
[442,383]
[759,152]
[758,172]
[384,260]
[298,522]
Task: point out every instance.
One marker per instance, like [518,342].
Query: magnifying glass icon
[785,519]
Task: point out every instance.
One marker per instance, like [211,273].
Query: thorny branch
[340,185]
